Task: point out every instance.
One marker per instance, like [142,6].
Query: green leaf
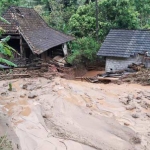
[4,20]
[5,61]
[6,39]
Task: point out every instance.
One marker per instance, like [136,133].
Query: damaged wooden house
[124,47]
[31,36]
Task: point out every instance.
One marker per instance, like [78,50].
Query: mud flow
[60,114]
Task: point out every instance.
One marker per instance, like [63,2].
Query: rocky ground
[64,114]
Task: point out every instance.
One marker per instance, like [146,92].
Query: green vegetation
[6,52]
[5,144]
[78,18]
[83,49]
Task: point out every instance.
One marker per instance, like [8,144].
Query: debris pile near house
[142,76]
[41,69]
[135,73]
[26,62]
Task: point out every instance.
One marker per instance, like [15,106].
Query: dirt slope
[73,115]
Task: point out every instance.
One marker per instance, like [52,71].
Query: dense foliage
[82,50]
[78,17]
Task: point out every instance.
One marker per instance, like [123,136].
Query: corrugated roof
[39,36]
[125,43]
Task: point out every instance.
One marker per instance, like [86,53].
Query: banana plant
[5,50]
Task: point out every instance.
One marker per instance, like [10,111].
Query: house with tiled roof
[124,47]
[30,34]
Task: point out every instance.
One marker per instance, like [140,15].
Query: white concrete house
[124,47]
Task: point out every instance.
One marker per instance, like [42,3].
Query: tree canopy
[78,18]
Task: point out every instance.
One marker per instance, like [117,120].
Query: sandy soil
[74,115]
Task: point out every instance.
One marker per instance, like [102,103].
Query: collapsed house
[124,47]
[31,36]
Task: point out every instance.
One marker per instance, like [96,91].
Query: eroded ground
[62,114]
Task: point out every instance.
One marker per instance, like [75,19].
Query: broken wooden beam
[109,79]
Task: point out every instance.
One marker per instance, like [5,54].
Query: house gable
[38,35]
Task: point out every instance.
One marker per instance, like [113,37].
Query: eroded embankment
[63,114]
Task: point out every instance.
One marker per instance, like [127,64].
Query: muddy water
[93,73]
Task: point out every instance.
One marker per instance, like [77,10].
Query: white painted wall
[118,63]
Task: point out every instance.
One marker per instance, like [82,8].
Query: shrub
[82,50]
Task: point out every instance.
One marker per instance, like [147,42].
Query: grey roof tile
[125,43]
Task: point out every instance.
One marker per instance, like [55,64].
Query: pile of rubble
[135,73]
[46,70]
[142,76]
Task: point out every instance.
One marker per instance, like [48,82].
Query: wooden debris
[14,75]
[46,70]
[108,79]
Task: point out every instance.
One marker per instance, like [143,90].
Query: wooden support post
[21,48]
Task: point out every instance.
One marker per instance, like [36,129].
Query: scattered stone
[44,116]
[126,124]
[124,101]
[147,95]
[136,140]
[32,95]
[5,85]
[135,115]
[90,113]
[119,82]
[56,83]
[14,90]
[138,101]
[38,86]
[30,87]
[25,86]
[138,110]
[131,107]
[148,115]
[145,105]
[22,95]
[140,92]
[130,97]
[4,94]
[88,105]
[60,88]
[139,97]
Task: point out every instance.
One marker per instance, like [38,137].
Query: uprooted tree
[6,52]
